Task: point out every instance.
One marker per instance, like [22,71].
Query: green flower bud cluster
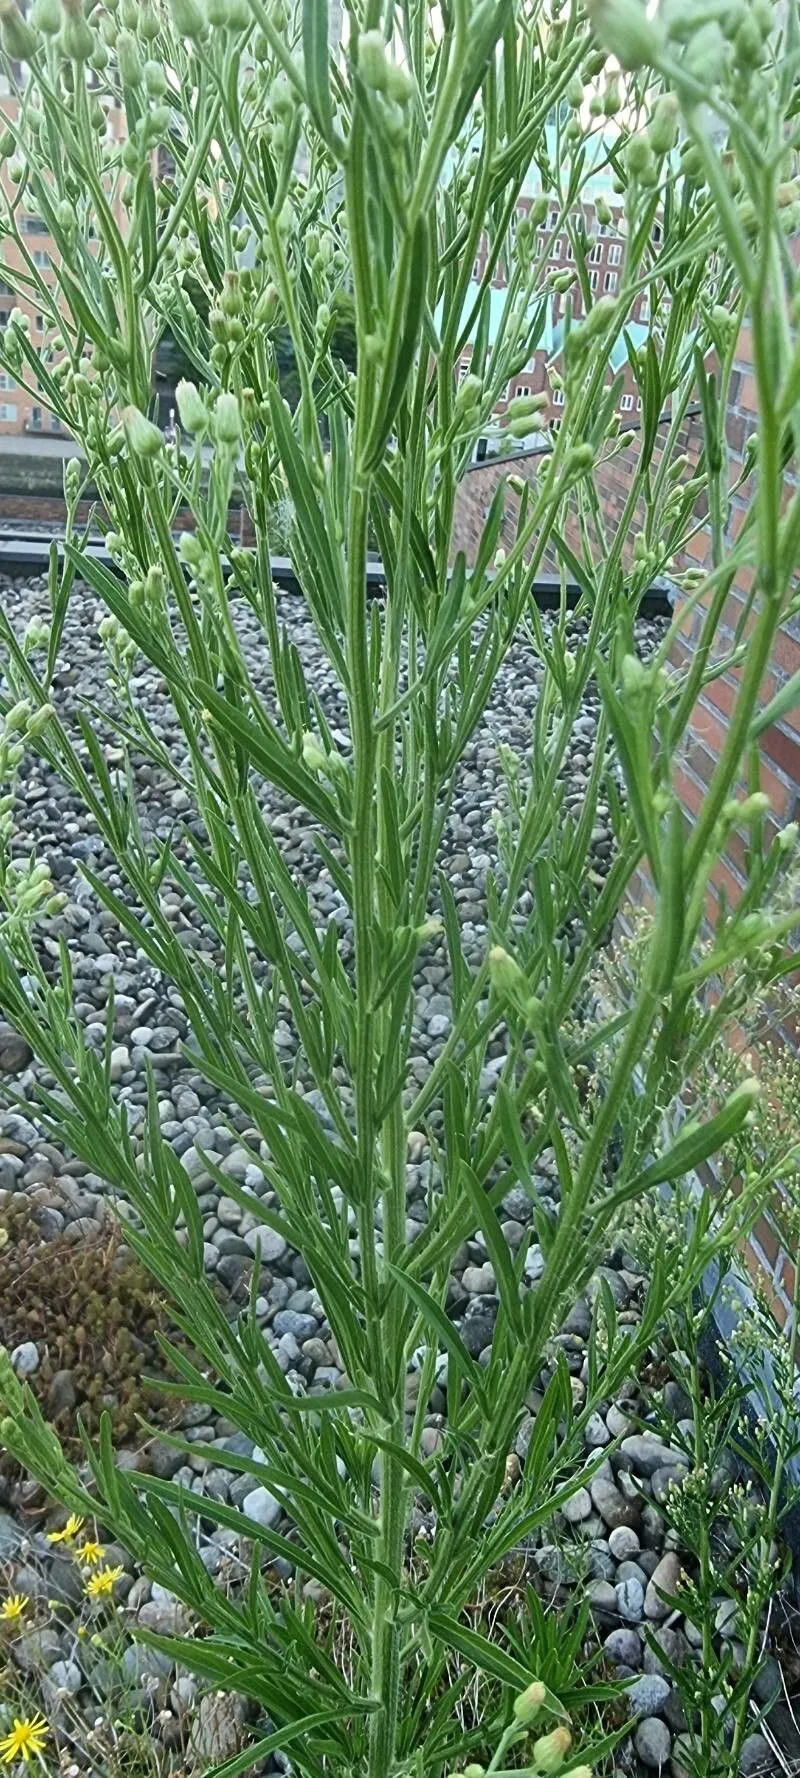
[37,635]
[28,891]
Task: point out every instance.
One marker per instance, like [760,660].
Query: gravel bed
[612,1539]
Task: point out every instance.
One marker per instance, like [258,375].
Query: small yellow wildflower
[27,1737]
[90,1553]
[73,1525]
[103,1582]
[14,1608]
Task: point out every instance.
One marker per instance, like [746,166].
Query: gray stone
[578,1508]
[630,1600]
[596,1434]
[726,1619]
[271,1245]
[37,1650]
[304,1327]
[165,1619]
[647,1453]
[15,1053]
[664,1579]
[672,1643]
[139,1662]
[756,1757]
[602,1597]
[623,1542]
[218,1728]
[648,1695]
[66,1676]
[61,1394]
[624,1648]
[611,1504]
[11,1536]
[25,1359]
[653,1742]
[164,1459]
[262,1506]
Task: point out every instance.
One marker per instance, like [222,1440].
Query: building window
[476,270]
[570,250]
[638,404]
[553,219]
[626,403]
[55,423]
[41,259]
[556,246]
[6,381]
[555,423]
[40,324]
[4,314]
[523,389]
[36,419]
[615,253]
[34,225]
[593,277]
[610,281]
[644,309]
[657,232]
[558,398]
[596,254]
[8,410]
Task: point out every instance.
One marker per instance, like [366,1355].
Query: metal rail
[24,553]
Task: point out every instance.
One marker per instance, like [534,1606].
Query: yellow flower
[73,1525]
[90,1553]
[14,1608]
[27,1737]
[103,1582]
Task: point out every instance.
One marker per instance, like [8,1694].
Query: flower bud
[550,1751]
[399,85]
[663,127]
[373,65]
[18,715]
[40,720]
[625,31]
[77,37]
[603,212]
[750,809]
[46,16]
[130,67]
[313,755]
[227,420]
[529,1703]
[188,18]
[144,439]
[192,411]
[190,549]
[16,36]
[787,838]
[522,406]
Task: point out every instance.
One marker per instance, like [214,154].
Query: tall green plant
[308,188]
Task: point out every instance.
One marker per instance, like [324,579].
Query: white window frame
[615,253]
[626,403]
